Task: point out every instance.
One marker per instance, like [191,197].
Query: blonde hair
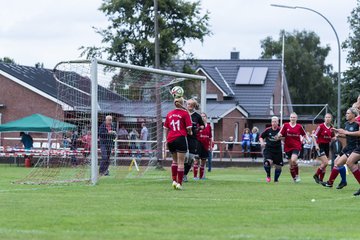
[275,118]
[354,111]
[179,102]
[194,103]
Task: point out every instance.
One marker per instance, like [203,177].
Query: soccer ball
[177,92]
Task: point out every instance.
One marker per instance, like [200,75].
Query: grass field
[233,203]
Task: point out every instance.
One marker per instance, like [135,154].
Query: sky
[50,31]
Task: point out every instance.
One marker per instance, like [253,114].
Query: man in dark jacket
[107,135]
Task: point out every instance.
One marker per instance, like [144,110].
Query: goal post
[138,99]
[94,99]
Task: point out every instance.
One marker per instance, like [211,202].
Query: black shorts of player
[323,150]
[178,145]
[357,150]
[289,153]
[193,145]
[203,153]
[275,156]
[347,151]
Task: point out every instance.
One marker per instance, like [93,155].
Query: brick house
[25,91]
[241,94]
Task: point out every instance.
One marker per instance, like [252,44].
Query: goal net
[124,107]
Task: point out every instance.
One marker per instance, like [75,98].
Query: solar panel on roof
[259,75]
[251,76]
[244,75]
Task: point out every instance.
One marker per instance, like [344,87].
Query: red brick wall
[226,127]
[21,102]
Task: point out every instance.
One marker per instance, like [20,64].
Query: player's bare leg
[352,163]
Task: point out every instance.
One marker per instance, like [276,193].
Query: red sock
[334,173]
[180,175]
[174,170]
[202,171]
[357,175]
[318,172]
[322,175]
[196,167]
[292,171]
[296,170]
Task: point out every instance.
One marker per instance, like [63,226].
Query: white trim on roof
[240,109]
[64,106]
[208,77]
[226,83]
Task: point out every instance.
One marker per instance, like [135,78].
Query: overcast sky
[50,31]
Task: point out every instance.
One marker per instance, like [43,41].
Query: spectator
[123,135]
[144,136]
[307,147]
[230,147]
[255,145]
[134,136]
[26,140]
[107,134]
[86,141]
[246,141]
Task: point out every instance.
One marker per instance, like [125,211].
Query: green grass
[233,203]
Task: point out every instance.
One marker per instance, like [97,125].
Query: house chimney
[234,55]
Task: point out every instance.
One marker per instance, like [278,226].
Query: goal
[136,98]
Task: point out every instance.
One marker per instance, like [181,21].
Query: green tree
[351,82]
[130,34]
[310,80]
[7,60]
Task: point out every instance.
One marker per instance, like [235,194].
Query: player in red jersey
[204,136]
[176,127]
[322,138]
[291,132]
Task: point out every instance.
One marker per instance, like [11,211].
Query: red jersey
[323,134]
[204,136]
[177,121]
[358,119]
[292,136]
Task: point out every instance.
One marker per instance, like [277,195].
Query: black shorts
[275,156]
[289,153]
[347,151]
[323,150]
[178,145]
[203,153]
[357,150]
[193,145]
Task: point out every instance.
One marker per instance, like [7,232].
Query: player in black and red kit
[322,138]
[177,126]
[204,136]
[193,143]
[273,152]
[352,142]
[292,144]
